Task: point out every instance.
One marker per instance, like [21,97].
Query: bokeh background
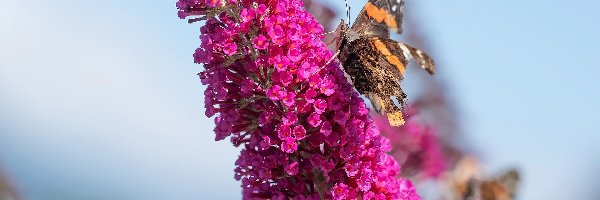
[100,99]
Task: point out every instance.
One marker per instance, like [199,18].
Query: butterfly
[468,183]
[375,63]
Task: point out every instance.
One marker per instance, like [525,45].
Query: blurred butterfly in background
[375,63]
[467,183]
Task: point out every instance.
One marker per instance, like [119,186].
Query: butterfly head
[341,38]
[344,35]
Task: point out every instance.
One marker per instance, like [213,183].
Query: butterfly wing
[375,72]
[422,58]
[379,16]
[395,10]
[505,185]
[470,185]
[399,55]
[376,66]
[500,188]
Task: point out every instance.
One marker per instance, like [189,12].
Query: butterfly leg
[376,102]
[327,63]
[331,59]
[333,40]
[327,33]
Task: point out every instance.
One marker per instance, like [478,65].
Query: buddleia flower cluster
[304,131]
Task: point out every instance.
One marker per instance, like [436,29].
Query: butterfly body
[375,63]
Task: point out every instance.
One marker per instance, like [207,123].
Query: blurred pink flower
[415,146]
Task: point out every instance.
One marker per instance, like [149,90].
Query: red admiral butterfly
[376,63]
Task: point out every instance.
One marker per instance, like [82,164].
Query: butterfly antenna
[347,11]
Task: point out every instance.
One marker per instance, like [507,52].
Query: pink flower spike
[296,122]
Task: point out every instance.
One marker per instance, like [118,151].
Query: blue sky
[99,100]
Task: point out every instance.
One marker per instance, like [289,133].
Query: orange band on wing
[381,47]
[380,15]
[394,60]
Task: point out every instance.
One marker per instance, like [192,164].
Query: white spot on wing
[420,53]
[405,51]
[394,8]
[421,59]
